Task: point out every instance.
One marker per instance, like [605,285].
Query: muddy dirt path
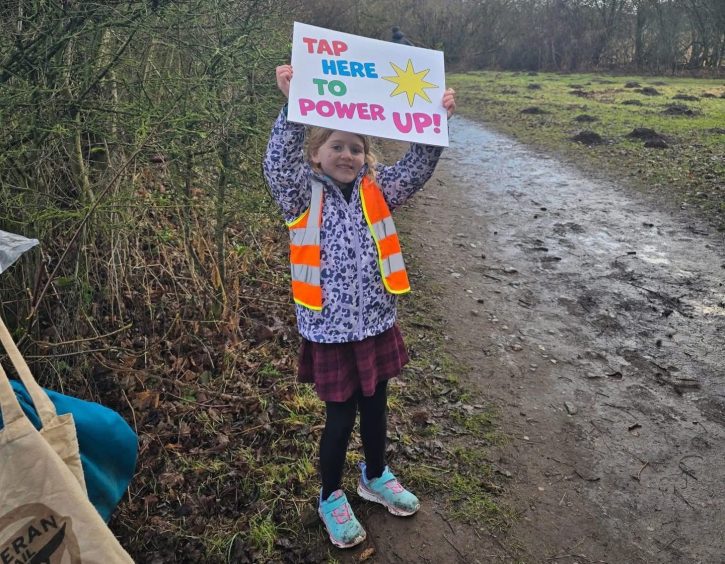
[596,324]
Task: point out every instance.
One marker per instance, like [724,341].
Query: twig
[74,353]
[586,478]
[685,469]
[682,497]
[76,341]
[446,520]
[454,547]
[133,411]
[637,477]
[259,247]
[197,404]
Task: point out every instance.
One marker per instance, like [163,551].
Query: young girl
[347,269]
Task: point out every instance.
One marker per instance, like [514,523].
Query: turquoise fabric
[108,445]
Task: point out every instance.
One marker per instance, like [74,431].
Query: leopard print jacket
[355,304]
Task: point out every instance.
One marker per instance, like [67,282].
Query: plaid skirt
[338,370]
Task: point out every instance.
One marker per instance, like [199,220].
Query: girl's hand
[449,101]
[284,76]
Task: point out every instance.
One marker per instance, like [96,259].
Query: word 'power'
[325,108]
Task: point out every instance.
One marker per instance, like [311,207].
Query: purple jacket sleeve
[285,169]
[403,179]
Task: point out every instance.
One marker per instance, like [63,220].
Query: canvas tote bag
[58,430]
[45,515]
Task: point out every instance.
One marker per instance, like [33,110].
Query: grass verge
[664,135]
[227,468]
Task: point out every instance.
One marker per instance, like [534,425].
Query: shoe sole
[339,544]
[365,493]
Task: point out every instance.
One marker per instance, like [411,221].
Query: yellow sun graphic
[409,82]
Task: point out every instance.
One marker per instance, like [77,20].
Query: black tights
[338,427]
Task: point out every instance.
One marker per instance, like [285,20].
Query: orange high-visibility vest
[304,252]
[305,245]
[382,228]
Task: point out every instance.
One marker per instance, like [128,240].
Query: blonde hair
[316,138]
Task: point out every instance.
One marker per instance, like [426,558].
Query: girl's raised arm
[284,166]
[284,77]
[401,180]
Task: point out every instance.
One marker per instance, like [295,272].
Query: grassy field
[665,135]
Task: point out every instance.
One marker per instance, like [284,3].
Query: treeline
[655,36]
[137,126]
[127,125]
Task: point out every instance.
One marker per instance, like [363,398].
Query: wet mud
[596,323]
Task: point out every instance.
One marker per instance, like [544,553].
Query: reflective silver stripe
[310,235]
[305,273]
[305,236]
[393,263]
[384,228]
[316,201]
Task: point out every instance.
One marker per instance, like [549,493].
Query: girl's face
[340,157]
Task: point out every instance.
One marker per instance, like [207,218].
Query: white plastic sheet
[11,247]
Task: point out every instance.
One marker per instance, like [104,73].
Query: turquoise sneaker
[344,529]
[387,490]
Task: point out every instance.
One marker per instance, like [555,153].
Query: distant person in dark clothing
[399,36]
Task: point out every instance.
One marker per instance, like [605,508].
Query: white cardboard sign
[352,83]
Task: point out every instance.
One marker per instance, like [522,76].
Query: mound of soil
[652,139]
[633,85]
[534,110]
[587,137]
[534,86]
[656,143]
[649,91]
[709,95]
[632,103]
[686,97]
[509,91]
[585,118]
[643,133]
[579,93]
[678,110]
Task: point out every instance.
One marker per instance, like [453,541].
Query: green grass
[263,533]
[459,476]
[690,171]
[467,488]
